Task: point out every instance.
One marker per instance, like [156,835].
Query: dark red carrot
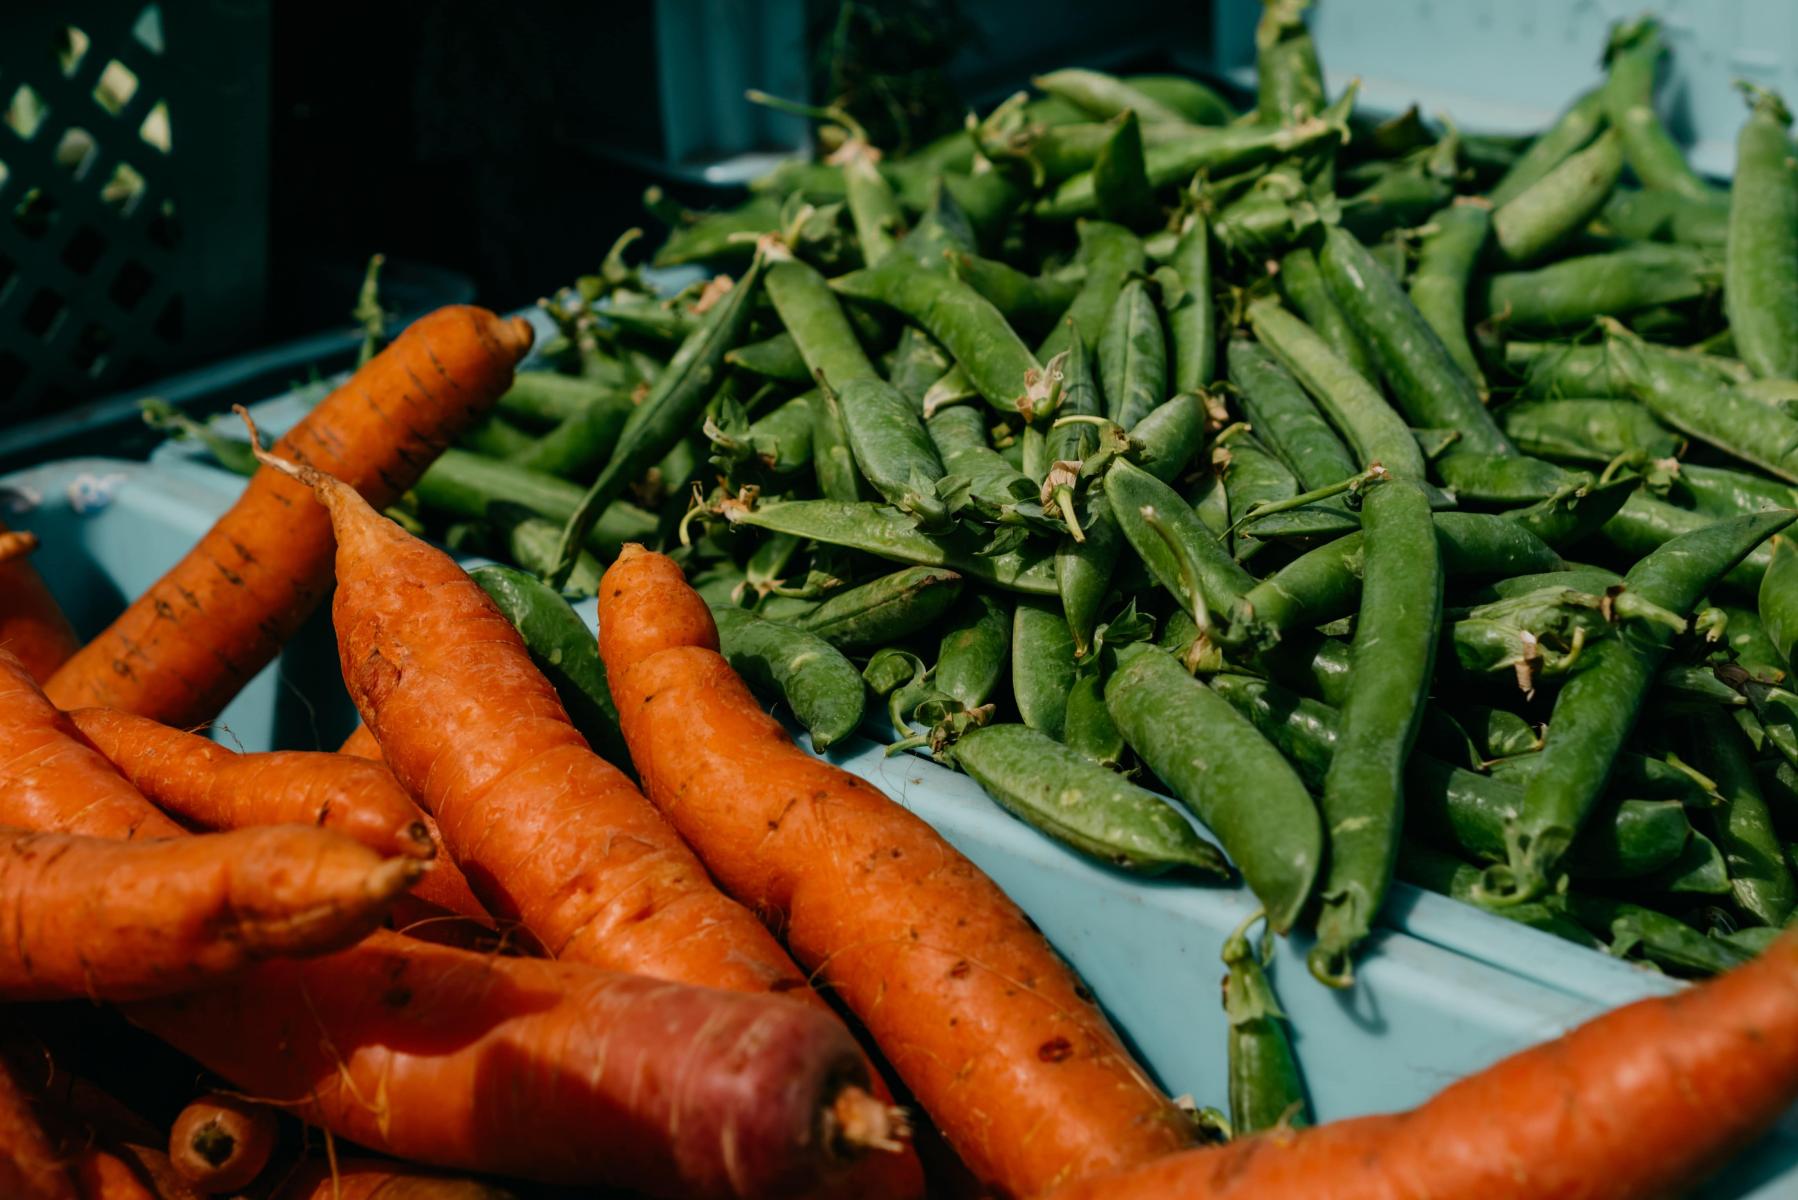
[993,1034]
[375,1179]
[29,1168]
[1642,1102]
[32,624]
[185,647]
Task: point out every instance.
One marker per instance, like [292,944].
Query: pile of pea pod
[1398,501]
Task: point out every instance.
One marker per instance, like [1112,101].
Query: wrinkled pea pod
[892,448]
[565,651]
[1302,284]
[884,610]
[975,647]
[823,688]
[1587,430]
[1286,419]
[1446,257]
[1759,874]
[1394,651]
[887,533]
[1081,804]
[1550,211]
[1598,705]
[1266,1091]
[1133,357]
[1225,772]
[1573,292]
[1029,301]
[1042,665]
[959,434]
[1760,281]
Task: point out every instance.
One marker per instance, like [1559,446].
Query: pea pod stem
[1352,485]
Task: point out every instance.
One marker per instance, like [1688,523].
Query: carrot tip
[16,543]
[395,875]
[859,1121]
[517,335]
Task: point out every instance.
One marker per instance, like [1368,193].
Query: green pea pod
[1760,877]
[886,533]
[579,444]
[1632,55]
[1082,804]
[1266,1091]
[1499,732]
[1449,876]
[712,237]
[1087,728]
[1429,387]
[1028,301]
[1251,476]
[1395,646]
[1111,254]
[565,651]
[873,207]
[775,358]
[832,458]
[1080,397]
[1698,871]
[1746,635]
[959,434]
[1779,602]
[1726,492]
[1446,257]
[1572,293]
[1133,357]
[1120,178]
[1587,430]
[1555,207]
[460,484]
[1576,514]
[884,609]
[1354,406]
[1552,369]
[892,449]
[1576,126]
[1289,81]
[1191,319]
[976,644]
[782,439]
[493,436]
[917,363]
[1505,478]
[1644,523]
[1597,707]
[1760,282]
[1694,403]
[1185,95]
[815,321]
[1143,507]
[1286,419]
[1661,939]
[823,688]
[1042,665]
[1302,284]
[1402,197]
[890,668]
[942,233]
[1231,778]
[963,321]
[667,414]
[1666,217]
[1573,579]
[531,541]
[1107,96]
[543,399]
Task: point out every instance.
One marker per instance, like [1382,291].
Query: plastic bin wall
[1511,65]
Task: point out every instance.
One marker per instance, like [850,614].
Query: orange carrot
[124,920]
[547,831]
[106,1176]
[50,778]
[361,744]
[32,625]
[1641,1102]
[372,1179]
[207,785]
[993,1034]
[548,1071]
[29,1169]
[220,1143]
[185,647]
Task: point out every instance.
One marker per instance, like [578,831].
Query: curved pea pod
[1553,369]
[1302,284]
[887,533]
[1575,514]
[1597,707]
[823,688]
[668,414]
[963,321]
[892,449]
[1505,478]
[1289,80]
[1087,728]
[1587,430]
[1446,256]
[1286,419]
[976,644]
[1231,778]
[959,434]
[832,458]
[1265,1089]
[775,358]
[1572,293]
[1698,871]
[1498,732]
[1029,301]
[917,363]
[1594,580]
[1430,388]
[1185,95]
[1661,939]
[1645,523]
[1081,804]
[891,668]
[1696,404]
[1111,254]
[1779,601]
[1633,53]
[1551,210]
[1191,318]
[1447,875]
[1726,492]
[531,541]
[565,651]
[579,443]
[1394,652]
[782,438]
[873,205]
[1760,877]
[1760,283]
[815,321]
[1140,503]
[1133,357]
[1376,432]
[1106,95]
[1576,126]
[883,610]
[1120,177]
[1042,665]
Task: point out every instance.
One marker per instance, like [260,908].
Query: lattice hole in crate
[43,313]
[123,189]
[34,212]
[172,322]
[156,130]
[89,354]
[83,250]
[131,284]
[115,88]
[26,112]
[163,228]
[71,47]
[9,271]
[76,151]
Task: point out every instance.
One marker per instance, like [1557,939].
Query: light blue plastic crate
[1443,990]
[1509,66]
